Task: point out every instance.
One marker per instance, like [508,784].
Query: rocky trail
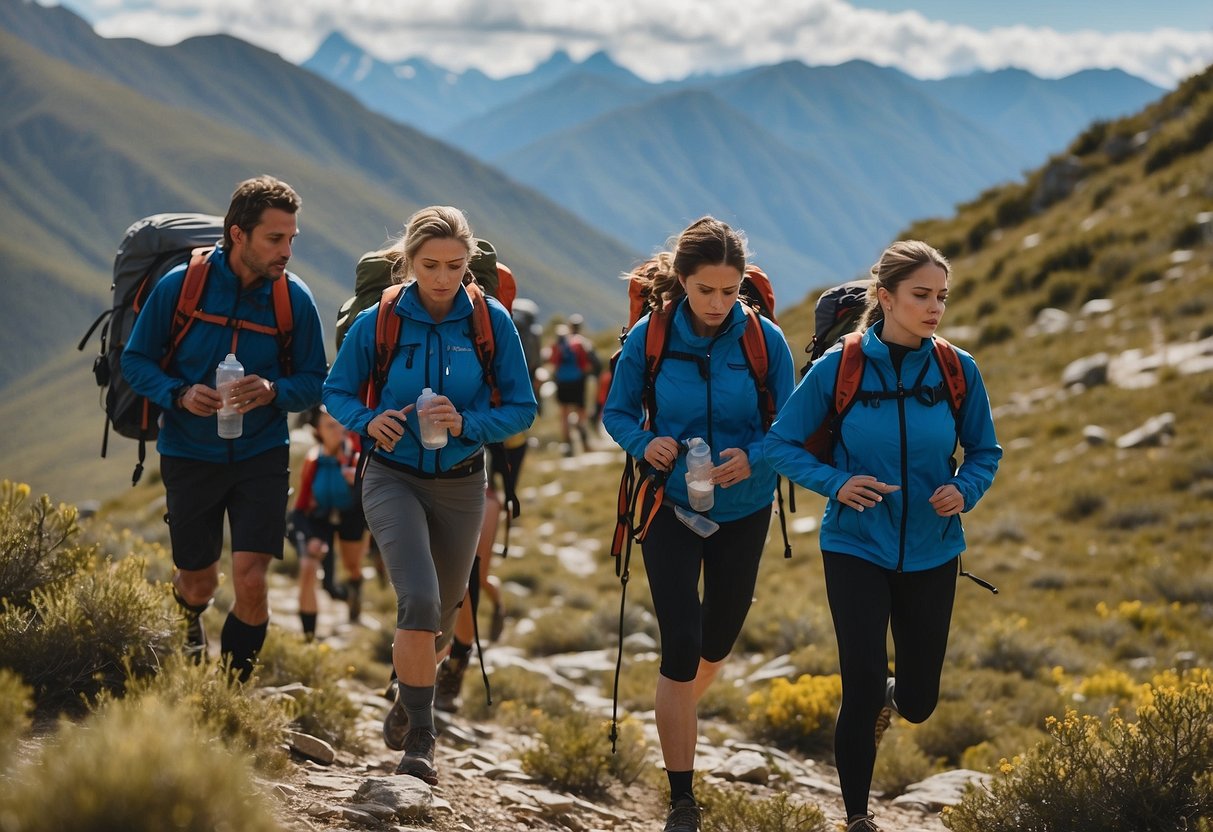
[483,787]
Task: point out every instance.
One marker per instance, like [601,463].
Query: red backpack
[846,391]
[759,295]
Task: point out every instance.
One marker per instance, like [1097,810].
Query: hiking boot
[418,759]
[885,717]
[863,823]
[497,625]
[684,816]
[449,684]
[353,597]
[396,723]
[195,638]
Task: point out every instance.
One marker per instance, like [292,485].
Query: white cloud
[660,39]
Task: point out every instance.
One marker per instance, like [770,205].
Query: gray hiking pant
[427,531]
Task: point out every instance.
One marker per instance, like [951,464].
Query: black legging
[865,599]
[673,556]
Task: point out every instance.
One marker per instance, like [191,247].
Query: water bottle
[432,436]
[700,491]
[231,422]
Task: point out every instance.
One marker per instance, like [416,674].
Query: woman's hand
[387,428]
[947,500]
[662,453]
[863,491]
[734,468]
[445,415]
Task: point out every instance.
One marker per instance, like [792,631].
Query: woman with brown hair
[703,389]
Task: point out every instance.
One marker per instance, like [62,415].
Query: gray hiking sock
[418,703]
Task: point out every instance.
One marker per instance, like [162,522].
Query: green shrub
[220,706]
[954,727]
[16,703]
[91,634]
[37,544]
[1010,646]
[1111,774]
[726,701]
[522,687]
[1194,139]
[799,714]
[324,710]
[637,683]
[138,767]
[1011,741]
[995,333]
[1090,139]
[572,753]
[1081,504]
[736,810]
[566,631]
[900,762]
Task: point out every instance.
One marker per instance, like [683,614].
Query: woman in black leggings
[703,389]
[891,536]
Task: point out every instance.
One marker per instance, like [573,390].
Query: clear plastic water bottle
[231,422]
[700,490]
[432,436]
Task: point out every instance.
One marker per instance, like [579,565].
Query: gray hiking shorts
[427,531]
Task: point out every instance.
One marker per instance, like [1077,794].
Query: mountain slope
[644,172]
[893,143]
[577,97]
[81,157]
[1039,117]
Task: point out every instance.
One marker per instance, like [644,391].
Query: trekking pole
[474,598]
[623,594]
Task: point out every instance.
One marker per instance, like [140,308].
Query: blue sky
[1163,41]
[1062,15]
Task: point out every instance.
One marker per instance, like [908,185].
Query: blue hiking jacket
[182,433]
[440,356]
[902,442]
[721,405]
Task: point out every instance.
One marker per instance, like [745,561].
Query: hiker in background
[703,389]
[525,313]
[206,477]
[425,505]
[328,516]
[891,535]
[573,360]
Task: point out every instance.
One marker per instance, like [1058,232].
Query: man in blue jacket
[246,479]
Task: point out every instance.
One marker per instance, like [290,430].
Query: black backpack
[150,248]
[836,313]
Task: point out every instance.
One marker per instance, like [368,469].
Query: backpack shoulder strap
[850,372]
[656,339]
[484,340]
[187,302]
[754,346]
[387,335]
[284,321]
[953,372]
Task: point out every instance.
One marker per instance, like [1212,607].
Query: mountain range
[96,133]
[639,160]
